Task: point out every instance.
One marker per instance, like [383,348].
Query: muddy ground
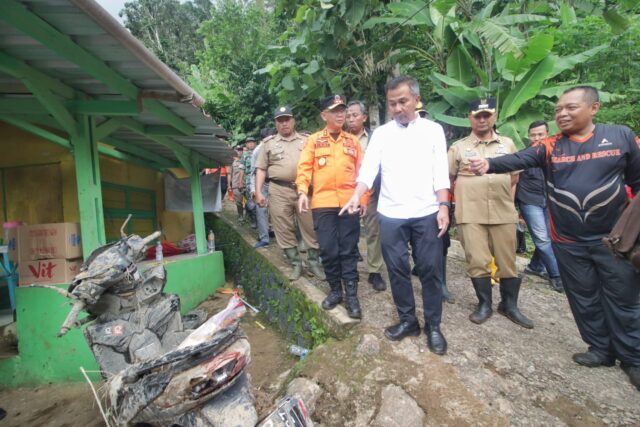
[493,374]
[70,405]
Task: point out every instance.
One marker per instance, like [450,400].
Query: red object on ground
[629,194]
[168,249]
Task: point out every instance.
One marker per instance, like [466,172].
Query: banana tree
[478,49]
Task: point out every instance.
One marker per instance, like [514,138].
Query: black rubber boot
[509,290]
[483,311]
[352,304]
[335,296]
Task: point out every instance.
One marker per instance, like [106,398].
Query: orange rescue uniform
[332,166]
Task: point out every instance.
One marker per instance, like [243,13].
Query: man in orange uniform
[331,159]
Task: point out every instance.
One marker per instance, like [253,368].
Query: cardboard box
[48,271]
[49,241]
[11,240]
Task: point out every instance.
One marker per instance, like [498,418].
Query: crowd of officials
[406,188]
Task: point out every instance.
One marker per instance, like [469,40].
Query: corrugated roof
[89,34]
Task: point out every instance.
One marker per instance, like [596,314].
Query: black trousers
[422,234]
[338,237]
[604,296]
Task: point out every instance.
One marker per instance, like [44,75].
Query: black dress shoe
[634,374]
[401,330]
[591,359]
[435,340]
[377,282]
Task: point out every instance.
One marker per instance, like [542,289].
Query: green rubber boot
[296,263]
[314,264]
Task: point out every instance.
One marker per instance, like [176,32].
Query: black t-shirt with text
[585,179]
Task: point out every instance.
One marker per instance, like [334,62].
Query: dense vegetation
[246,56]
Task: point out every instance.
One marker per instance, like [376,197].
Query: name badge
[470,154]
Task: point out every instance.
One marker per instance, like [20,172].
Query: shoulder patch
[269,138]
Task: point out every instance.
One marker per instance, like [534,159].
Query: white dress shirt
[414,165]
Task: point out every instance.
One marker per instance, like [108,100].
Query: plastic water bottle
[211,241]
[296,350]
[159,251]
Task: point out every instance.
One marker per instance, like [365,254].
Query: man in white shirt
[413,207]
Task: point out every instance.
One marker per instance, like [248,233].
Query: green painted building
[90,121]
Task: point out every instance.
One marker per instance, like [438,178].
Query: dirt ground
[71,405]
[493,374]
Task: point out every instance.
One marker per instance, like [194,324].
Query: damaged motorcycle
[161,368]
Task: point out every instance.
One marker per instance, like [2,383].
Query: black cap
[332,102]
[482,105]
[249,139]
[284,110]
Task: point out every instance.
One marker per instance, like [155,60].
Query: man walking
[356,118]
[237,182]
[250,206]
[486,216]
[532,202]
[413,207]
[262,215]
[330,160]
[586,167]
[278,159]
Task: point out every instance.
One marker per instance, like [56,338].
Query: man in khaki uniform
[356,118]
[486,215]
[278,159]
[237,183]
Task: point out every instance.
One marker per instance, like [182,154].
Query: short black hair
[539,123]
[410,81]
[265,132]
[590,93]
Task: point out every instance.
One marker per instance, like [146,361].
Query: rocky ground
[493,374]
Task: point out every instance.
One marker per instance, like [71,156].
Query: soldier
[237,182]
[278,159]
[250,206]
[356,118]
[331,160]
[486,215]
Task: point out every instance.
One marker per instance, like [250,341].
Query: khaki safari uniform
[375,262]
[279,158]
[236,183]
[485,212]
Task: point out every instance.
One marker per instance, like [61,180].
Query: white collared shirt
[414,165]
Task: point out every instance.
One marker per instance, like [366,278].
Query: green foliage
[168,28]
[503,49]
[236,39]
[326,49]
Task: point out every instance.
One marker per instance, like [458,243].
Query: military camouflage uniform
[250,206]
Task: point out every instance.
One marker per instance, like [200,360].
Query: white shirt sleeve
[371,162]
[441,161]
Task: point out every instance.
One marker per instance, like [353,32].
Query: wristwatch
[447,204]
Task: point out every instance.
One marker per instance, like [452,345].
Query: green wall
[43,358]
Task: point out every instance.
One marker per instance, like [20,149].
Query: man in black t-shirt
[586,168]
[532,203]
